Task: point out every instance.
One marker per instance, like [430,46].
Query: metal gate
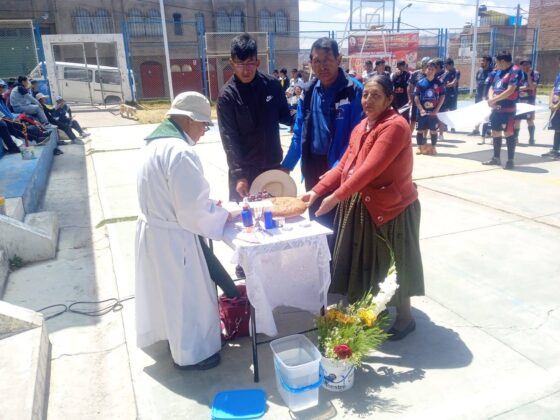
[84,69]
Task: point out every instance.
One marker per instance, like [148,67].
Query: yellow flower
[367,316]
[333,314]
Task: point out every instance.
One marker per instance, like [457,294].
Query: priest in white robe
[175,295]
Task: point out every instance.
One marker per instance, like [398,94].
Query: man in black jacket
[250,106]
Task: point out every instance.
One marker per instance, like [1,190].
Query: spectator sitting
[49,112]
[15,128]
[34,87]
[63,114]
[22,101]
[6,95]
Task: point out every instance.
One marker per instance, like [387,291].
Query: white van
[77,82]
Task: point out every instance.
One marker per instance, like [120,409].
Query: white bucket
[298,376]
[339,375]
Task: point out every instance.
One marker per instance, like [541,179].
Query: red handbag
[235,314]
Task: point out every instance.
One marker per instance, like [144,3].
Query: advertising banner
[390,47]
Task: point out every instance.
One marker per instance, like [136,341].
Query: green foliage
[15,263]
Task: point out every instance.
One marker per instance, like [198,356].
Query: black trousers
[313,168]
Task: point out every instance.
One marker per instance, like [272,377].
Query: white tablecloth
[287,268]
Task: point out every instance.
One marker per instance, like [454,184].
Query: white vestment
[175,297]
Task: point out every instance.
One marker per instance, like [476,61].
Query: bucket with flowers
[348,333]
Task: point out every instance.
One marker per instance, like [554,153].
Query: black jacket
[248,117]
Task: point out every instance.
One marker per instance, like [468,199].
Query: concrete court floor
[487,343]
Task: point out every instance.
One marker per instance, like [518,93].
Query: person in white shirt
[175,296]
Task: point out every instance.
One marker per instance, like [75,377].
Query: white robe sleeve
[190,192]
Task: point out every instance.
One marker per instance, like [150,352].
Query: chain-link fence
[520,41]
[18,49]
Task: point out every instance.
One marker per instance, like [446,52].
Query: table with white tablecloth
[287,266]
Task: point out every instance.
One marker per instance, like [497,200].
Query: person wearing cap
[413,80]
[527,95]
[63,113]
[49,112]
[22,101]
[175,296]
[330,109]
[400,79]
[429,95]
[250,107]
[503,95]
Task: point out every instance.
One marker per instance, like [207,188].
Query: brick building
[187,21]
[545,15]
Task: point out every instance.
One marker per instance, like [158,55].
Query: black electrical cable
[114,305]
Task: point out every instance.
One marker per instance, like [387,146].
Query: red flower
[343,351]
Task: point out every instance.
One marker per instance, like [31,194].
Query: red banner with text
[390,47]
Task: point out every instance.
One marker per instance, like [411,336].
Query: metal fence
[146,56]
[18,49]
[199,60]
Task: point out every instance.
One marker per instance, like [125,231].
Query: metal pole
[393,19]
[515,30]
[474,53]
[166,47]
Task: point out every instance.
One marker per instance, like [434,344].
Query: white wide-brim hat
[276,182]
[193,105]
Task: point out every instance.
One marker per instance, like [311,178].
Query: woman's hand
[309,197]
[327,205]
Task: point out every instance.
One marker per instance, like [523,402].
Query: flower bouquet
[348,333]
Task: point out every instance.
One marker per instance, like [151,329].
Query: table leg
[254,345]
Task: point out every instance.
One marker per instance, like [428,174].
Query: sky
[333,14]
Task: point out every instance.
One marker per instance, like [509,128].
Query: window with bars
[135,21]
[153,23]
[86,22]
[281,21]
[102,23]
[177,23]
[266,21]
[82,21]
[237,21]
[223,23]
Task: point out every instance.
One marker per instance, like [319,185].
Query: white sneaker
[440,136]
[85,134]
[77,141]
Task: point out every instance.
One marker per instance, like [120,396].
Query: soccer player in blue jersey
[429,95]
[554,123]
[503,96]
[415,77]
[528,95]
[400,84]
[450,79]
[482,89]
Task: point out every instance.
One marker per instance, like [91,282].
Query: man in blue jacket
[331,107]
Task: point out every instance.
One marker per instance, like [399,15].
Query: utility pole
[474,48]
[166,48]
[515,30]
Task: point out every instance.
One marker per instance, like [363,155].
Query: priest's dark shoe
[396,335]
[206,364]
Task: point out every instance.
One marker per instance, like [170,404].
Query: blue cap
[2,83]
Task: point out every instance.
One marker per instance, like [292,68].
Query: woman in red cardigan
[378,209]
